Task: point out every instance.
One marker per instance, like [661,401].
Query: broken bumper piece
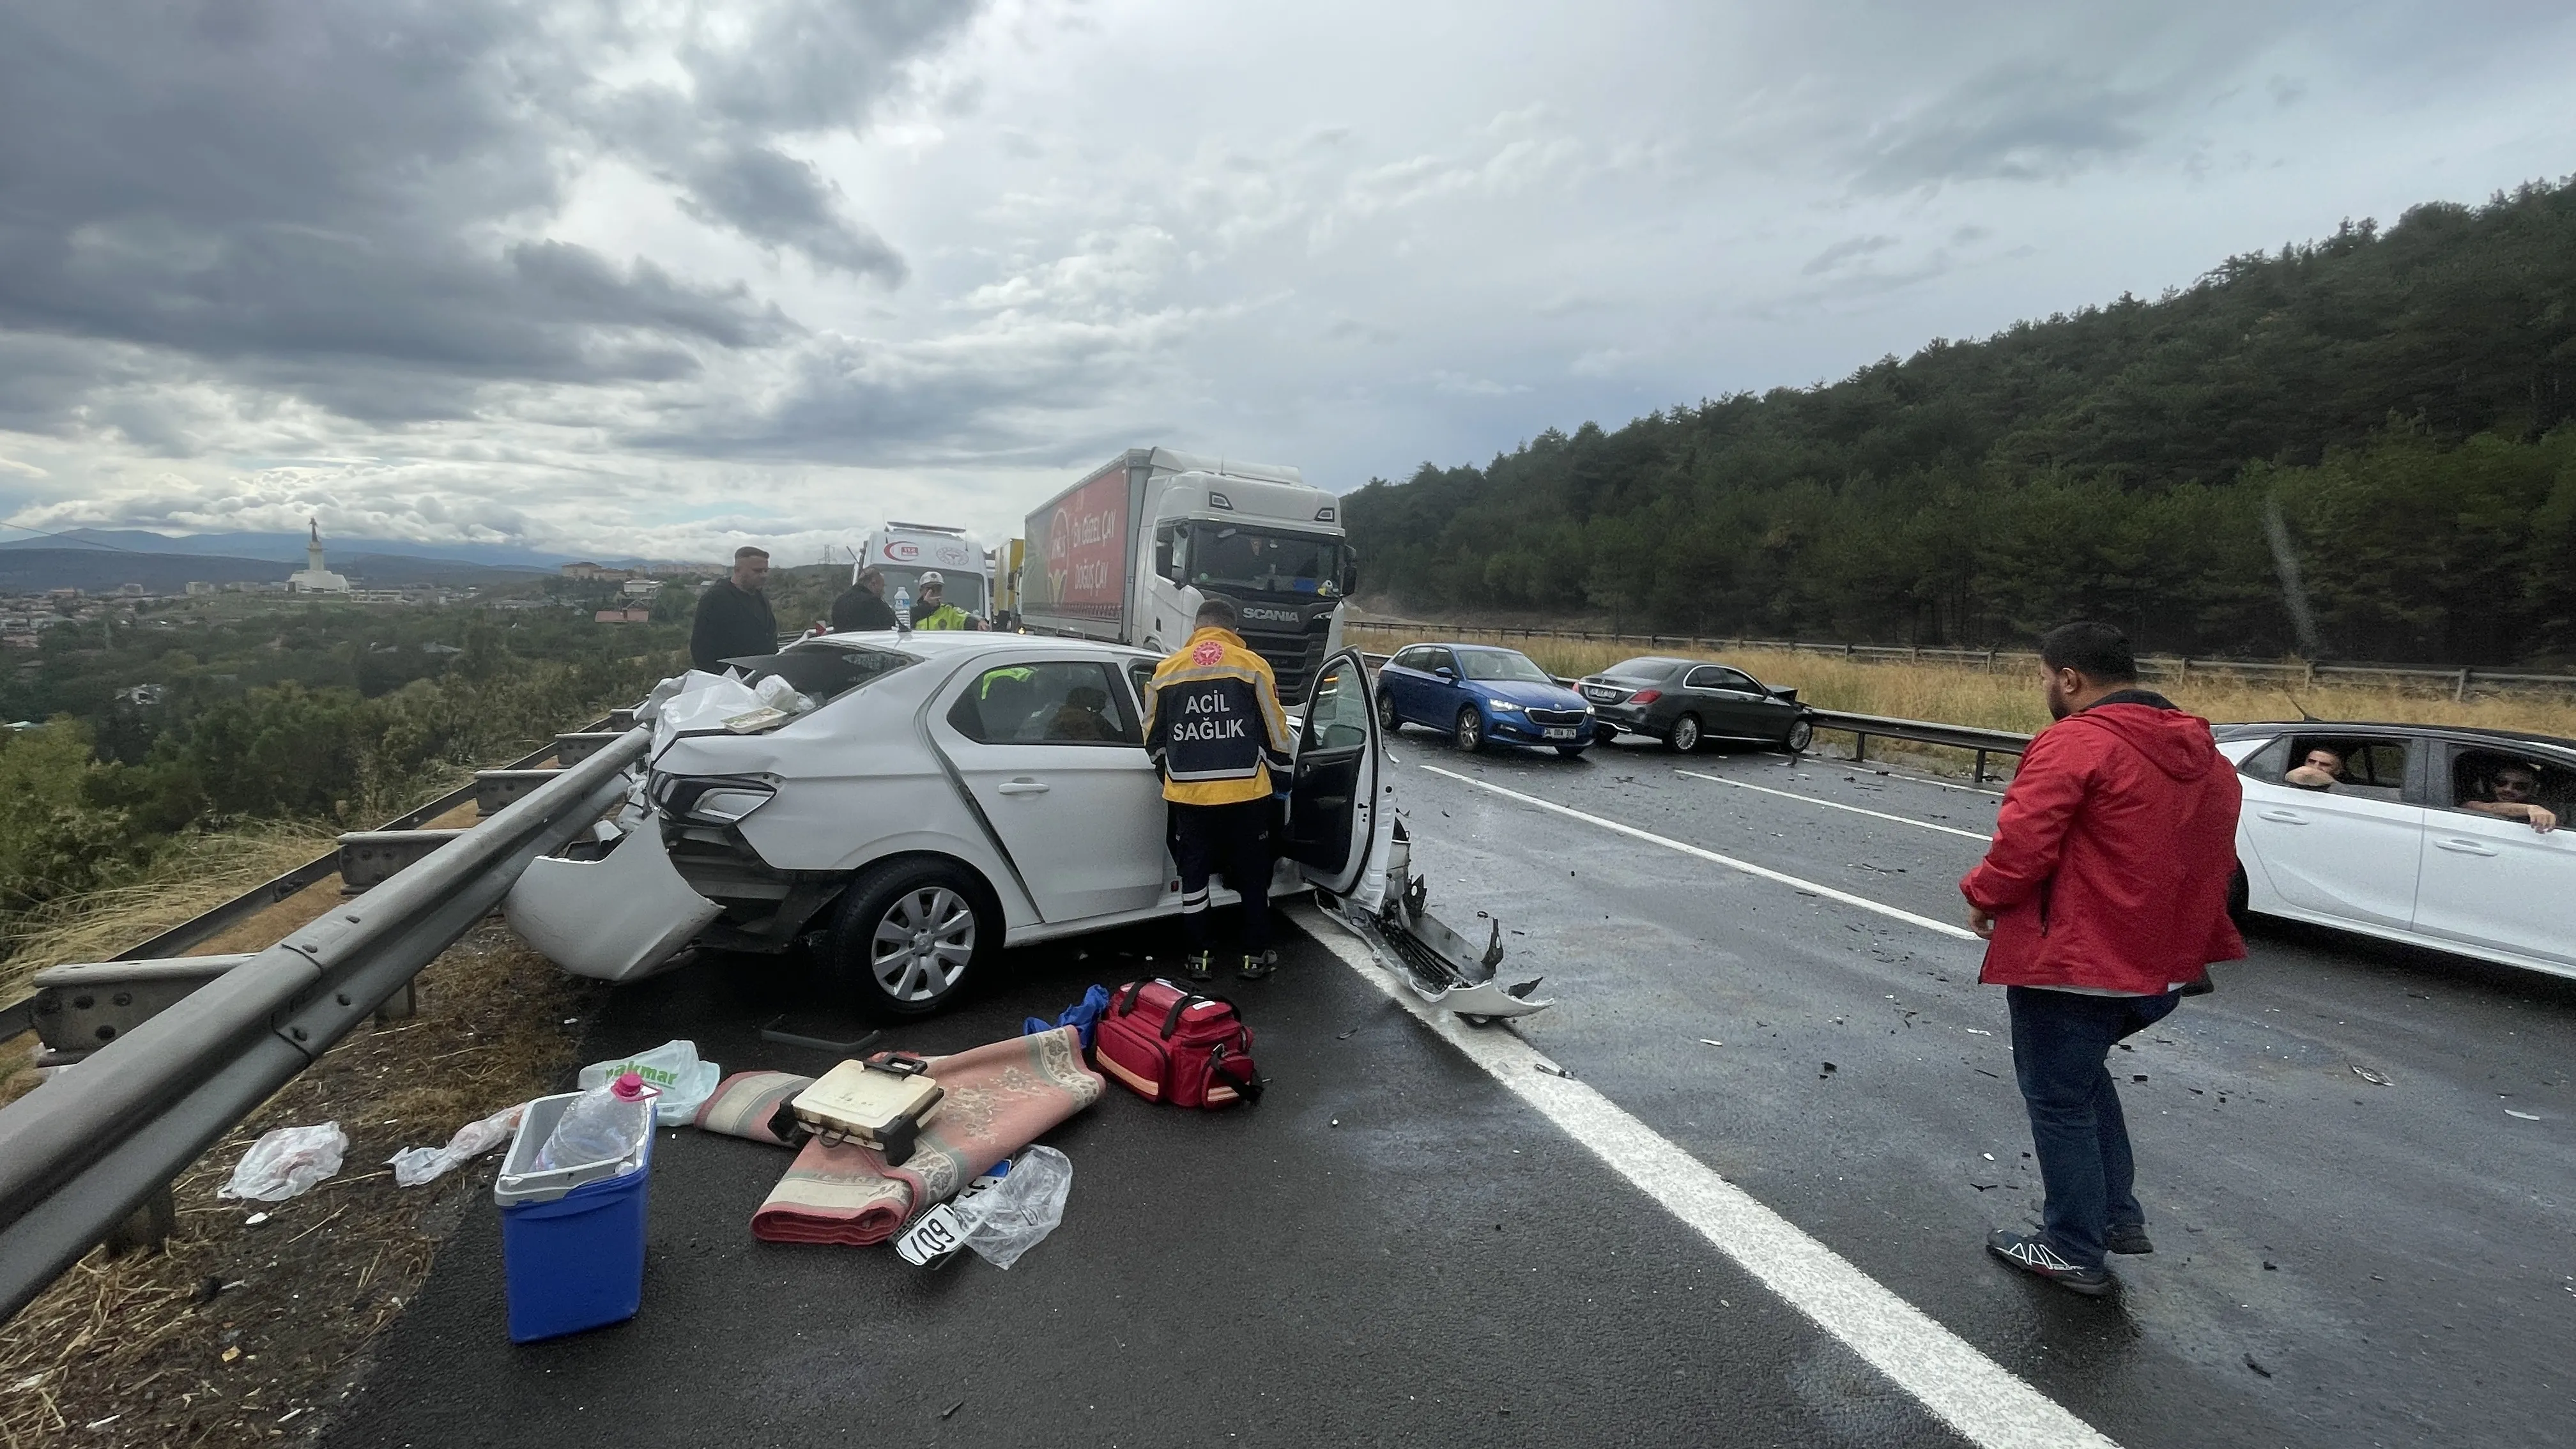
[1441,966]
[620,917]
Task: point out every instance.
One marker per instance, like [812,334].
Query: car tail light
[1645,696]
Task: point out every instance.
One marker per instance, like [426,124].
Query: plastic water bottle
[903,604]
[604,1124]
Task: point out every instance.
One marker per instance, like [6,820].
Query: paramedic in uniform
[1214,730]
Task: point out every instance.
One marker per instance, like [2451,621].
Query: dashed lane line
[1986,1402]
[1730,862]
[1836,805]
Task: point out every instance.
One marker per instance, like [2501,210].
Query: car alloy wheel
[1387,719]
[1686,733]
[1802,733]
[1470,733]
[908,936]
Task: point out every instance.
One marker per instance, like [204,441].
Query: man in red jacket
[2102,900]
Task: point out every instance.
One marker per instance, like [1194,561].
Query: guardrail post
[1860,746]
[2460,692]
[1981,767]
[148,1226]
[403,1005]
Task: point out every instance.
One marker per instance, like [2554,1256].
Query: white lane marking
[1835,805]
[1986,1402]
[1730,862]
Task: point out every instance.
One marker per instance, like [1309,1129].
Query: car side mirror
[1350,579]
[1447,673]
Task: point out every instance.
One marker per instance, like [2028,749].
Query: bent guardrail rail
[91,1145]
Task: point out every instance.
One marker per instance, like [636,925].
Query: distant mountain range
[101,571]
[287,547]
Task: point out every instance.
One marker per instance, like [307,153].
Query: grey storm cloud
[2015,122]
[321,195]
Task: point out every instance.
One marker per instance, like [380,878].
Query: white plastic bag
[704,702]
[777,693]
[414,1166]
[1015,1214]
[286,1161]
[673,1069]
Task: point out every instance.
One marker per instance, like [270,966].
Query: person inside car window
[2322,769]
[1080,718]
[2509,793]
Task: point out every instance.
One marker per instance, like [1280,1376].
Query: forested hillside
[2404,396]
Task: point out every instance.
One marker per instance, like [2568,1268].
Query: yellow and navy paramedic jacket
[1212,722]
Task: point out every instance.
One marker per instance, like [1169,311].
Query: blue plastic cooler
[572,1239]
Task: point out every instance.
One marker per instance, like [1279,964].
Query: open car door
[1333,789]
[1345,840]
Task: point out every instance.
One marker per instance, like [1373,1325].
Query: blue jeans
[2060,1039]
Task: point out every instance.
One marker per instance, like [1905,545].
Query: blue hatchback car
[1479,693]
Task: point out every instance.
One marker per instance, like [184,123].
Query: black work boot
[2039,1260]
[2127,1238]
[1198,966]
[1257,964]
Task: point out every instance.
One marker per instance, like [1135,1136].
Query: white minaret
[315,579]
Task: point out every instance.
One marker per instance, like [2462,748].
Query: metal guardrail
[91,1145]
[1866,727]
[2157,667]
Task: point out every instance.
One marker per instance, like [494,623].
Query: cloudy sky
[655,277]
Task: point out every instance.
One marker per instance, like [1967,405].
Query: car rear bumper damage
[620,917]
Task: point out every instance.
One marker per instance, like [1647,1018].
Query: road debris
[287,1161]
[2375,1078]
[1553,1070]
[2525,1116]
[2256,1367]
[1710,1041]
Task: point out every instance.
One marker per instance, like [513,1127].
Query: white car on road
[2425,835]
[924,800]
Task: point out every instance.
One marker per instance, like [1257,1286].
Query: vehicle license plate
[1560,734]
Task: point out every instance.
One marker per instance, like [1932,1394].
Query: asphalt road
[1393,1249]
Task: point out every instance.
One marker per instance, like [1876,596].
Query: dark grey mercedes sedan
[1686,701]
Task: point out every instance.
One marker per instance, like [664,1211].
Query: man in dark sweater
[733,615]
[862,605]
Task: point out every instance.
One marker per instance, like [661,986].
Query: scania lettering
[1128,554]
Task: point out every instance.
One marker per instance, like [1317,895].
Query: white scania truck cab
[1128,554]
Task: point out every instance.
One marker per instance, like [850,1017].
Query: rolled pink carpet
[1000,1098]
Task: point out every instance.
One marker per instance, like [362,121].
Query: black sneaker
[1197,966]
[1255,967]
[2034,1257]
[2128,1238]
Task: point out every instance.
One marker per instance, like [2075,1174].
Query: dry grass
[2008,697]
[266,1357]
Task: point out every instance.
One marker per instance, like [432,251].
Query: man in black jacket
[733,615]
[862,605]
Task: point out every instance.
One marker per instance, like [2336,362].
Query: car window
[2375,768]
[1435,660]
[1649,670]
[2489,777]
[1060,702]
[1502,664]
[825,672]
[1416,657]
[1337,716]
[1718,676]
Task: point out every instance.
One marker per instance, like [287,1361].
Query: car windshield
[1265,560]
[1652,670]
[1505,664]
[956,586]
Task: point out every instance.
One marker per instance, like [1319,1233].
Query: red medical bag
[1172,1045]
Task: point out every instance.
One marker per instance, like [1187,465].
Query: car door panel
[1332,794]
[2497,883]
[1082,820]
[2339,853]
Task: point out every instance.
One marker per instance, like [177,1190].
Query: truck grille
[1559,716]
[1293,657]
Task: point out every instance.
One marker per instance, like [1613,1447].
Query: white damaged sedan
[908,804]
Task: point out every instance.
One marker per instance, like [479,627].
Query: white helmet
[931,576]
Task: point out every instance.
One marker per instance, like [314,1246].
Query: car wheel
[1802,733]
[1685,735]
[909,935]
[1470,731]
[1387,719]
[1571,752]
